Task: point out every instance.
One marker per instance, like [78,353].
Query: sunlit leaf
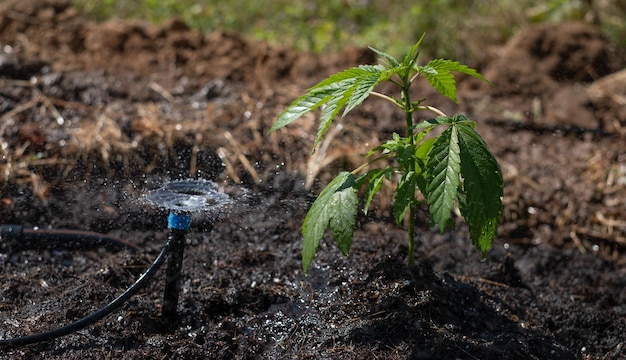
[333,80]
[330,111]
[438,72]
[366,82]
[346,89]
[449,65]
[335,207]
[299,107]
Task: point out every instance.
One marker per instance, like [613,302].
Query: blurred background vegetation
[459,29]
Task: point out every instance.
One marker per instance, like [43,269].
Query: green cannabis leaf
[453,167]
[375,178]
[483,187]
[345,89]
[443,167]
[336,206]
[438,72]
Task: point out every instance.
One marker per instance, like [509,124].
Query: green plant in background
[455,166]
[463,26]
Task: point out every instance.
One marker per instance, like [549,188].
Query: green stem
[388,98]
[411,234]
[363,166]
[408,111]
[432,109]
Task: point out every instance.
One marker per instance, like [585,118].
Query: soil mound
[541,58]
[52,31]
[547,69]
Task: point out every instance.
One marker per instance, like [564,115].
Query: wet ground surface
[94,116]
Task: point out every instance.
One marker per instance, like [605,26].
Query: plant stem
[388,98]
[408,111]
[363,166]
[431,108]
[411,234]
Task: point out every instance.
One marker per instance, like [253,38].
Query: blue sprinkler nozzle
[178,221]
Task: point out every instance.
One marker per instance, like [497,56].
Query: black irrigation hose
[92,318]
[67,239]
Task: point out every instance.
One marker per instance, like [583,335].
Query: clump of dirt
[94,115]
[607,95]
[565,53]
[551,65]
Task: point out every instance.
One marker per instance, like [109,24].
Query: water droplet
[189,196]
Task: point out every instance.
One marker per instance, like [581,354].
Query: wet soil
[95,115]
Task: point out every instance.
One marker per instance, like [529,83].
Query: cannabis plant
[456,166]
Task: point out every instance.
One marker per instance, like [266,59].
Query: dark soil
[94,115]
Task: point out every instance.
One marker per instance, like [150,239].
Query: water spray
[181,198]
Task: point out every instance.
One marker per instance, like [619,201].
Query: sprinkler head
[182,198]
[186,196]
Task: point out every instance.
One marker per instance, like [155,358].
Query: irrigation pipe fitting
[178,225]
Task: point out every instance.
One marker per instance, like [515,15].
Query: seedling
[456,166]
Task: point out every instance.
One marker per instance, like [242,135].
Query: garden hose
[19,238]
[13,232]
